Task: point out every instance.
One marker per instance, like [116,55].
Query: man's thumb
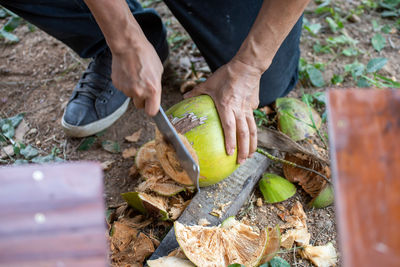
[197,90]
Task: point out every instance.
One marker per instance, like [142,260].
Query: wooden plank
[231,194]
[364,131]
[52,216]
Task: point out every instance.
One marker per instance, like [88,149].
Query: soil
[38,74]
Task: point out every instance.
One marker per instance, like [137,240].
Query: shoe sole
[94,127]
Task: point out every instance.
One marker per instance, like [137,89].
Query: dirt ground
[38,74]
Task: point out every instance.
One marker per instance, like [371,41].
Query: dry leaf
[259,202]
[129,152]
[310,182]
[133,170]
[21,130]
[267,110]
[320,256]
[106,165]
[134,137]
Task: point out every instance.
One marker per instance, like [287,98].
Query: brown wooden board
[364,133]
[230,194]
[52,215]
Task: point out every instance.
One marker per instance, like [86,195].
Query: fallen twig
[271,157]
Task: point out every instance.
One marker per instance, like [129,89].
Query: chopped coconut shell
[320,256]
[219,247]
[170,261]
[167,156]
[297,220]
[310,182]
[162,185]
[146,154]
[129,246]
[147,203]
[177,253]
[176,210]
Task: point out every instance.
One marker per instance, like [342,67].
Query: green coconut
[294,118]
[197,119]
[324,199]
[275,188]
[147,204]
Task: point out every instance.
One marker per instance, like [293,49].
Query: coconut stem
[271,157]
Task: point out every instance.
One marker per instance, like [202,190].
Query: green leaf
[375,25]
[312,28]
[12,24]
[21,162]
[356,69]
[111,146]
[390,82]
[315,76]
[29,152]
[278,262]
[8,36]
[15,121]
[378,42]
[363,83]
[45,159]
[8,130]
[337,79]
[87,143]
[236,265]
[3,13]
[333,25]
[386,29]
[376,64]
[351,51]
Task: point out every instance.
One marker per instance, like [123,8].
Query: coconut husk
[167,156]
[309,181]
[218,246]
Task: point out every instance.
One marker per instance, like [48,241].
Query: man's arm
[234,87]
[136,67]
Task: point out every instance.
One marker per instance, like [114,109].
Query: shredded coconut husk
[170,261]
[219,247]
[320,256]
[310,182]
[167,156]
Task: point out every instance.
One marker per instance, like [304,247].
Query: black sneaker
[95,103]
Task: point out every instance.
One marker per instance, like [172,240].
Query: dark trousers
[218,28]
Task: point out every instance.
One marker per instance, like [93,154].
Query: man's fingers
[252,132]
[229,126]
[242,132]
[152,104]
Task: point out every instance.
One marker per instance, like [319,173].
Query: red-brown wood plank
[52,215]
[364,132]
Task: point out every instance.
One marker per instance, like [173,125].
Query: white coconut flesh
[219,247]
[170,261]
[167,157]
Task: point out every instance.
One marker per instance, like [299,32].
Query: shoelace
[95,79]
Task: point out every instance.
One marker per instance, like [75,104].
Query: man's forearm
[117,23]
[274,22]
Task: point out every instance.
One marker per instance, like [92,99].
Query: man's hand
[234,88]
[136,67]
[137,72]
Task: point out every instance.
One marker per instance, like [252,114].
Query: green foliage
[378,42]
[111,146]
[87,143]
[311,72]
[260,117]
[391,8]
[376,64]
[276,262]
